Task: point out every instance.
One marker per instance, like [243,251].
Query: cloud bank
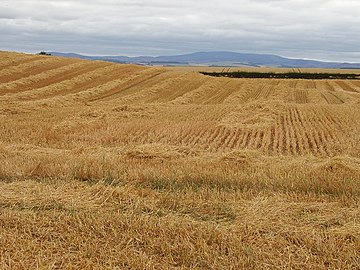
[317,29]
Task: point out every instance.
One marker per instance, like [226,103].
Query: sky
[310,29]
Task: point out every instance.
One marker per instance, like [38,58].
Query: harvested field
[110,166]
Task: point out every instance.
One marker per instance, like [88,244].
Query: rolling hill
[118,166]
[218,59]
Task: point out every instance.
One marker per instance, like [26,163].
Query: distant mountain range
[227,59]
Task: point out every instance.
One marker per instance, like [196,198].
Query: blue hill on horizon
[218,58]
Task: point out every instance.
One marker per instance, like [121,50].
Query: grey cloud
[301,28]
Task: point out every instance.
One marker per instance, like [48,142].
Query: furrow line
[303,131]
[298,143]
[344,86]
[230,139]
[258,142]
[235,139]
[215,140]
[14,62]
[220,140]
[291,140]
[194,137]
[124,88]
[46,78]
[31,68]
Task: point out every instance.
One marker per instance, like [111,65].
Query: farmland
[110,166]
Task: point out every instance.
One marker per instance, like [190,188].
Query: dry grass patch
[106,166]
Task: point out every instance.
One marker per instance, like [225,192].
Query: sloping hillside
[291,117]
[107,165]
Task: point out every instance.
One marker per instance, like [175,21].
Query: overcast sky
[317,29]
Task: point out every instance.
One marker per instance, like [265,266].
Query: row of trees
[44,53]
[287,75]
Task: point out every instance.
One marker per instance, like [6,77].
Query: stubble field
[110,166]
